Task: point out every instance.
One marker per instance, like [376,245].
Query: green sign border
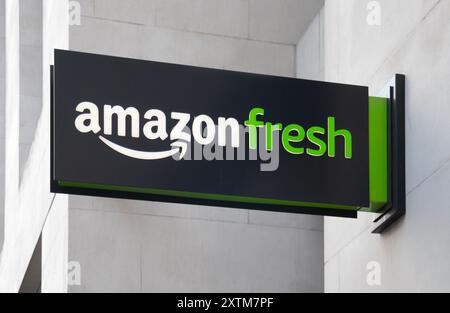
[378,153]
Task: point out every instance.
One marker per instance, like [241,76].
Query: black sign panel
[120,127]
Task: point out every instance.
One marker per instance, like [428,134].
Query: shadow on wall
[30,74]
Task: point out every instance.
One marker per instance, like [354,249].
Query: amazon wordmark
[155,127]
[156,124]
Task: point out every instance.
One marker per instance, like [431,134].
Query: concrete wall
[2,117]
[30,74]
[142,246]
[414,39]
[55,230]
[30,208]
[310,51]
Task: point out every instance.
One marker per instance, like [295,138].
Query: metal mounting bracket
[396,207]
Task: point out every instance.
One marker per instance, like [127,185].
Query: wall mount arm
[396,207]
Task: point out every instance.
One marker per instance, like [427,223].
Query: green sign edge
[378,153]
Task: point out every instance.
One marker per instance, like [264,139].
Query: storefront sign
[164,132]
